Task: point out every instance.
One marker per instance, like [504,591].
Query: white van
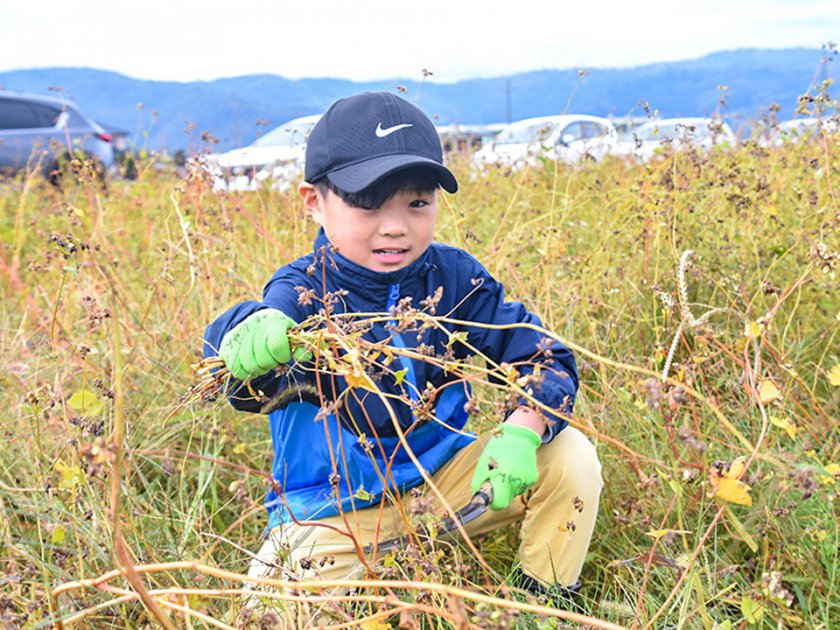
[568,138]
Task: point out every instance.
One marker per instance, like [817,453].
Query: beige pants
[557,513]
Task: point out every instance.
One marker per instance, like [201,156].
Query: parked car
[43,132]
[799,130]
[277,156]
[567,138]
[678,133]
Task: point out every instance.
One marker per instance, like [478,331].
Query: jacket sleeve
[280,293]
[556,383]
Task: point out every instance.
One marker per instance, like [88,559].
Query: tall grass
[105,300]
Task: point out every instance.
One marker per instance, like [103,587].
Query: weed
[709,385]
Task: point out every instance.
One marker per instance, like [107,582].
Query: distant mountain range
[162,114]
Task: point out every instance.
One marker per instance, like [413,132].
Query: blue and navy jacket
[328,459]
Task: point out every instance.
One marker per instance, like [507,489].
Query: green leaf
[458,336]
[740,530]
[363,495]
[752,610]
[86,402]
[400,375]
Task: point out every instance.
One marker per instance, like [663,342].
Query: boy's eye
[419,203]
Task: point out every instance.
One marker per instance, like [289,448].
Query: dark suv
[45,133]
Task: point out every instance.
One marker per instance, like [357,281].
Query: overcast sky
[383,39]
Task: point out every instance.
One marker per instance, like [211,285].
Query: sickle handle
[484,494]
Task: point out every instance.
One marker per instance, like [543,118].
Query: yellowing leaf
[332,363]
[768,392]
[71,476]
[58,535]
[833,471]
[736,468]
[86,402]
[817,535]
[753,330]
[196,602]
[240,448]
[733,491]
[359,379]
[834,375]
[374,625]
[786,424]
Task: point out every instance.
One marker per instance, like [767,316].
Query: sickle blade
[471,511]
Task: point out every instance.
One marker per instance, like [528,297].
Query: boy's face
[382,239]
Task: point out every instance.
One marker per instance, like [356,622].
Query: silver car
[43,133]
[648,139]
[568,138]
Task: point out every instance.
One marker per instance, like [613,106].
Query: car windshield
[520,134]
[285,135]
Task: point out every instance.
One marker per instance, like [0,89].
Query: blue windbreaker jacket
[325,462]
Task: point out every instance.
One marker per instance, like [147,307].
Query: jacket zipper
[399,342]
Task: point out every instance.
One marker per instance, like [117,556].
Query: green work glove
[509,462]
[258,344]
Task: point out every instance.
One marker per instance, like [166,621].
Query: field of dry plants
[699,292]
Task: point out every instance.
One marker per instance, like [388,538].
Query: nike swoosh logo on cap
[381,133]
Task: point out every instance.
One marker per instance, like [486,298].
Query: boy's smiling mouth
[390,255]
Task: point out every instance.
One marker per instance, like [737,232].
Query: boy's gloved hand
[509,461]
[258,344]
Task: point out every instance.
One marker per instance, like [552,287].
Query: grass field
[699,292]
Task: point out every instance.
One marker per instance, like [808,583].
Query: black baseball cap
[363,138]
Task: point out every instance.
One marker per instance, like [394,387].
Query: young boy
[373,168]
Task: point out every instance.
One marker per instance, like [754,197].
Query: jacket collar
[355,274]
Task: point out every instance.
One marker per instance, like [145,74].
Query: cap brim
[356,177]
